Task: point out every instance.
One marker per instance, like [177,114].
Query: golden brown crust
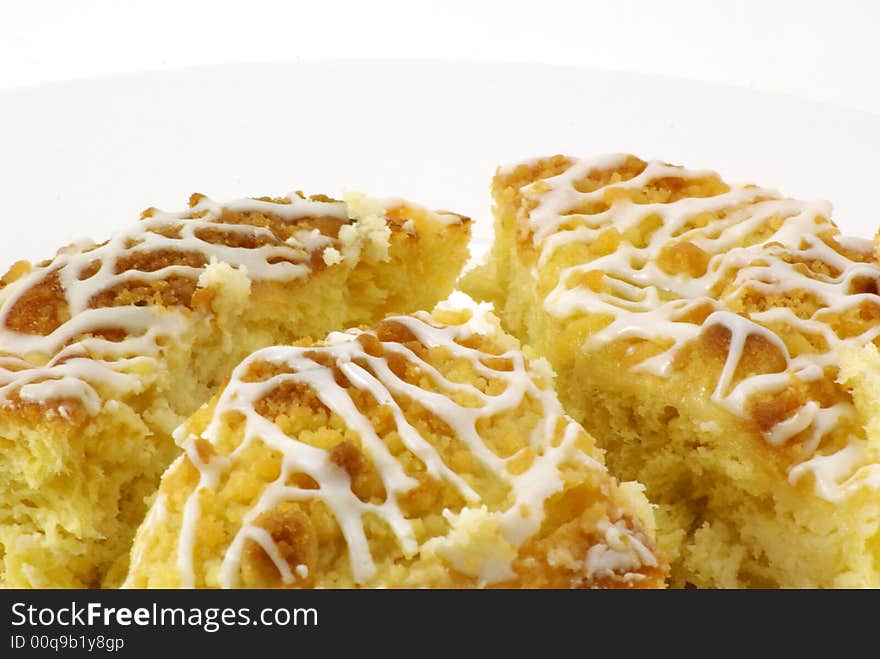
[296,540]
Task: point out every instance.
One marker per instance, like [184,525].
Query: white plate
[81,158]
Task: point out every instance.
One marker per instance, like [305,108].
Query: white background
[826,51]
[783,93]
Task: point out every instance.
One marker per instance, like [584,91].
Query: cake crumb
[233,283]
[369,233]
[332,256]
[475,545]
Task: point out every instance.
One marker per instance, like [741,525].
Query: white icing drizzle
[646,302]
[552,441]
[73,365]
[620,551]
[209,476]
